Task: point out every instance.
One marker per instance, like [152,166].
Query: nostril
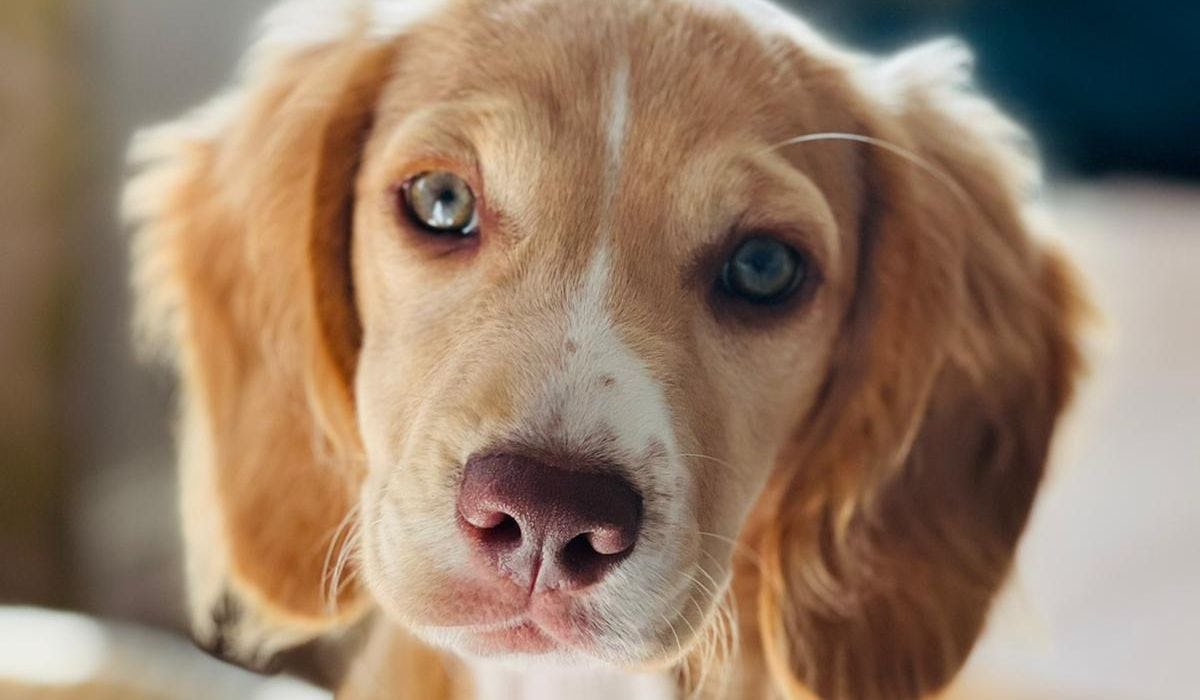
[494,530]
[484,519]
[506,531]
[587,557]
[579,554]
[609,540]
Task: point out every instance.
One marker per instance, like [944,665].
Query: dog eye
[441,203]
[764,271]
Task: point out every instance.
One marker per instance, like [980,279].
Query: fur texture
[833,490]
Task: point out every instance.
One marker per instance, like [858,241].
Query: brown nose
[547,527]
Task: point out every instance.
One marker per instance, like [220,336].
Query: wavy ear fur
[241,269]
[893,519]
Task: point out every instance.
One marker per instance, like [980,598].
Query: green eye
[441,203]
[764,271]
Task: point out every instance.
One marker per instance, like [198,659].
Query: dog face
[592,313]
[591,319]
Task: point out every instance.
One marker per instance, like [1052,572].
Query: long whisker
[718,460]
[896,149]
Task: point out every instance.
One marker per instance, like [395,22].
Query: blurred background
[1103,604]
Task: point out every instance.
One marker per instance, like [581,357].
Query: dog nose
[547,527]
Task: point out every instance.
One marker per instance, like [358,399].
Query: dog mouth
[504,621]
[542,628]
[560,630]
[521,637]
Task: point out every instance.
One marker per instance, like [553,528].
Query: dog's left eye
[764,271]
[442,203]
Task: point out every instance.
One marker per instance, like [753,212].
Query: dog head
[553,329]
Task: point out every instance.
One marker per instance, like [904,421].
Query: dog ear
[893,519]
[242,274]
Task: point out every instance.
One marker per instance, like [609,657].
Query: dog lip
[531,632]
[522,636]
[525,638]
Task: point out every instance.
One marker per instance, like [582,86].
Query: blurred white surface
[40,649]
[1105,601]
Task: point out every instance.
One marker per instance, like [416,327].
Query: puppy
[663,343]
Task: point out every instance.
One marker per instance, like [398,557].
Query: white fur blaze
[604,386]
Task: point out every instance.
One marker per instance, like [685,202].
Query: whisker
[929,168]
[340,580]
[336,554]
[687,676]
[718,642]
[727,611]
[906,154]
[738,548]
[710,458]
[702,647]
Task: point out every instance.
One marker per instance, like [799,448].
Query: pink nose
[547,527]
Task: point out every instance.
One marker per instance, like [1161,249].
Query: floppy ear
[893,520]
[242,273]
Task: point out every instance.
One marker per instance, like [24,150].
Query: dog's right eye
[441,203]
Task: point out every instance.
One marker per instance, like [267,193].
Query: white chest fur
[499,683]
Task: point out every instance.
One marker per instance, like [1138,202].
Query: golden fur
[858,472]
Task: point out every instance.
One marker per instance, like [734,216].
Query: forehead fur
[937,73]
[646,126]
[682,80]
